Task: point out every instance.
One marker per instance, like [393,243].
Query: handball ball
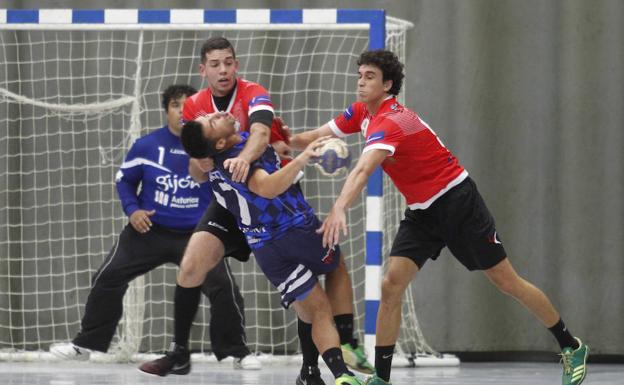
[334,157]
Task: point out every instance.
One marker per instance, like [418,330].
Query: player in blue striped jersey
[163,205]
[280,226]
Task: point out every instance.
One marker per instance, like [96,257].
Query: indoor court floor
[507,373]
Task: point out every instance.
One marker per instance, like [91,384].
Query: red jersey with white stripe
[248,98]
[418,163]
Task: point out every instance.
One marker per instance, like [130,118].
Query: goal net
[72,101]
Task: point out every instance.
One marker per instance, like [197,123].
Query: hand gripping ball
[334,157]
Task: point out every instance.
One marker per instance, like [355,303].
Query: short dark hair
[389,64]
[195,143]
[216,42]
[174,92]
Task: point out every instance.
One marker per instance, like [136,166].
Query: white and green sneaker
[574,367]
[346,379]
[374,380]
[355,358]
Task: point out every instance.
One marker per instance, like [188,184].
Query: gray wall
[529,95]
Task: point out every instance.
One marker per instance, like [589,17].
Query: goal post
[77,87]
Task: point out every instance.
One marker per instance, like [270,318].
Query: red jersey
[248,98]
[418,163]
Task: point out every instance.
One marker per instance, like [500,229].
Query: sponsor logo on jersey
[171,184]
[185,202]
[375,137]
[215,175]
[394,106]
[260,99]
[161,197]
[177,151]
[348,113]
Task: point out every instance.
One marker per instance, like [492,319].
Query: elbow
[267,194]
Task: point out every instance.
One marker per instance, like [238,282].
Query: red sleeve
[386,135]
[277,131]
[350,121]
[257,98]
[189,110]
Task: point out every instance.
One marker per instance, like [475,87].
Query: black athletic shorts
[458,219]
[217,220]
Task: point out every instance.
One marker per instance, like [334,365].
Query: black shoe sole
[183,371]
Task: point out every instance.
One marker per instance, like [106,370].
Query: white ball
[334,157]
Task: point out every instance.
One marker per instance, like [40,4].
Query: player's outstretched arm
[336,221]
[271,185]
[302,140]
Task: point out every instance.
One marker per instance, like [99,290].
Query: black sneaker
[175,361]
[310,375]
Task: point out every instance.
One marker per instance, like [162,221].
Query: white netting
[71,102]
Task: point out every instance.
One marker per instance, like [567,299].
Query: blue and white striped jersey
[260,219]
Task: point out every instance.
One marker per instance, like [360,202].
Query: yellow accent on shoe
[346,379]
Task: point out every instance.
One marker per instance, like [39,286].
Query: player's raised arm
[302,140]
[259,133]
[271,185]
[257,102]
[353,186]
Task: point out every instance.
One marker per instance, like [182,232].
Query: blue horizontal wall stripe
[88,16]
[225,16]
[286,16]
[22,16]
[159,16]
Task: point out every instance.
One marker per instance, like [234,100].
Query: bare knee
[506,286]
[505,278]
[314,307]
[202,254]
[400,273]
[392,289]
[189,274]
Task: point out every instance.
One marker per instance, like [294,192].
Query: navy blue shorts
[293,262]
[218,221]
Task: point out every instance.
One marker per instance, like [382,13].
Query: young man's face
[219,69]
[174,114]
[218,127]
[371,87]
